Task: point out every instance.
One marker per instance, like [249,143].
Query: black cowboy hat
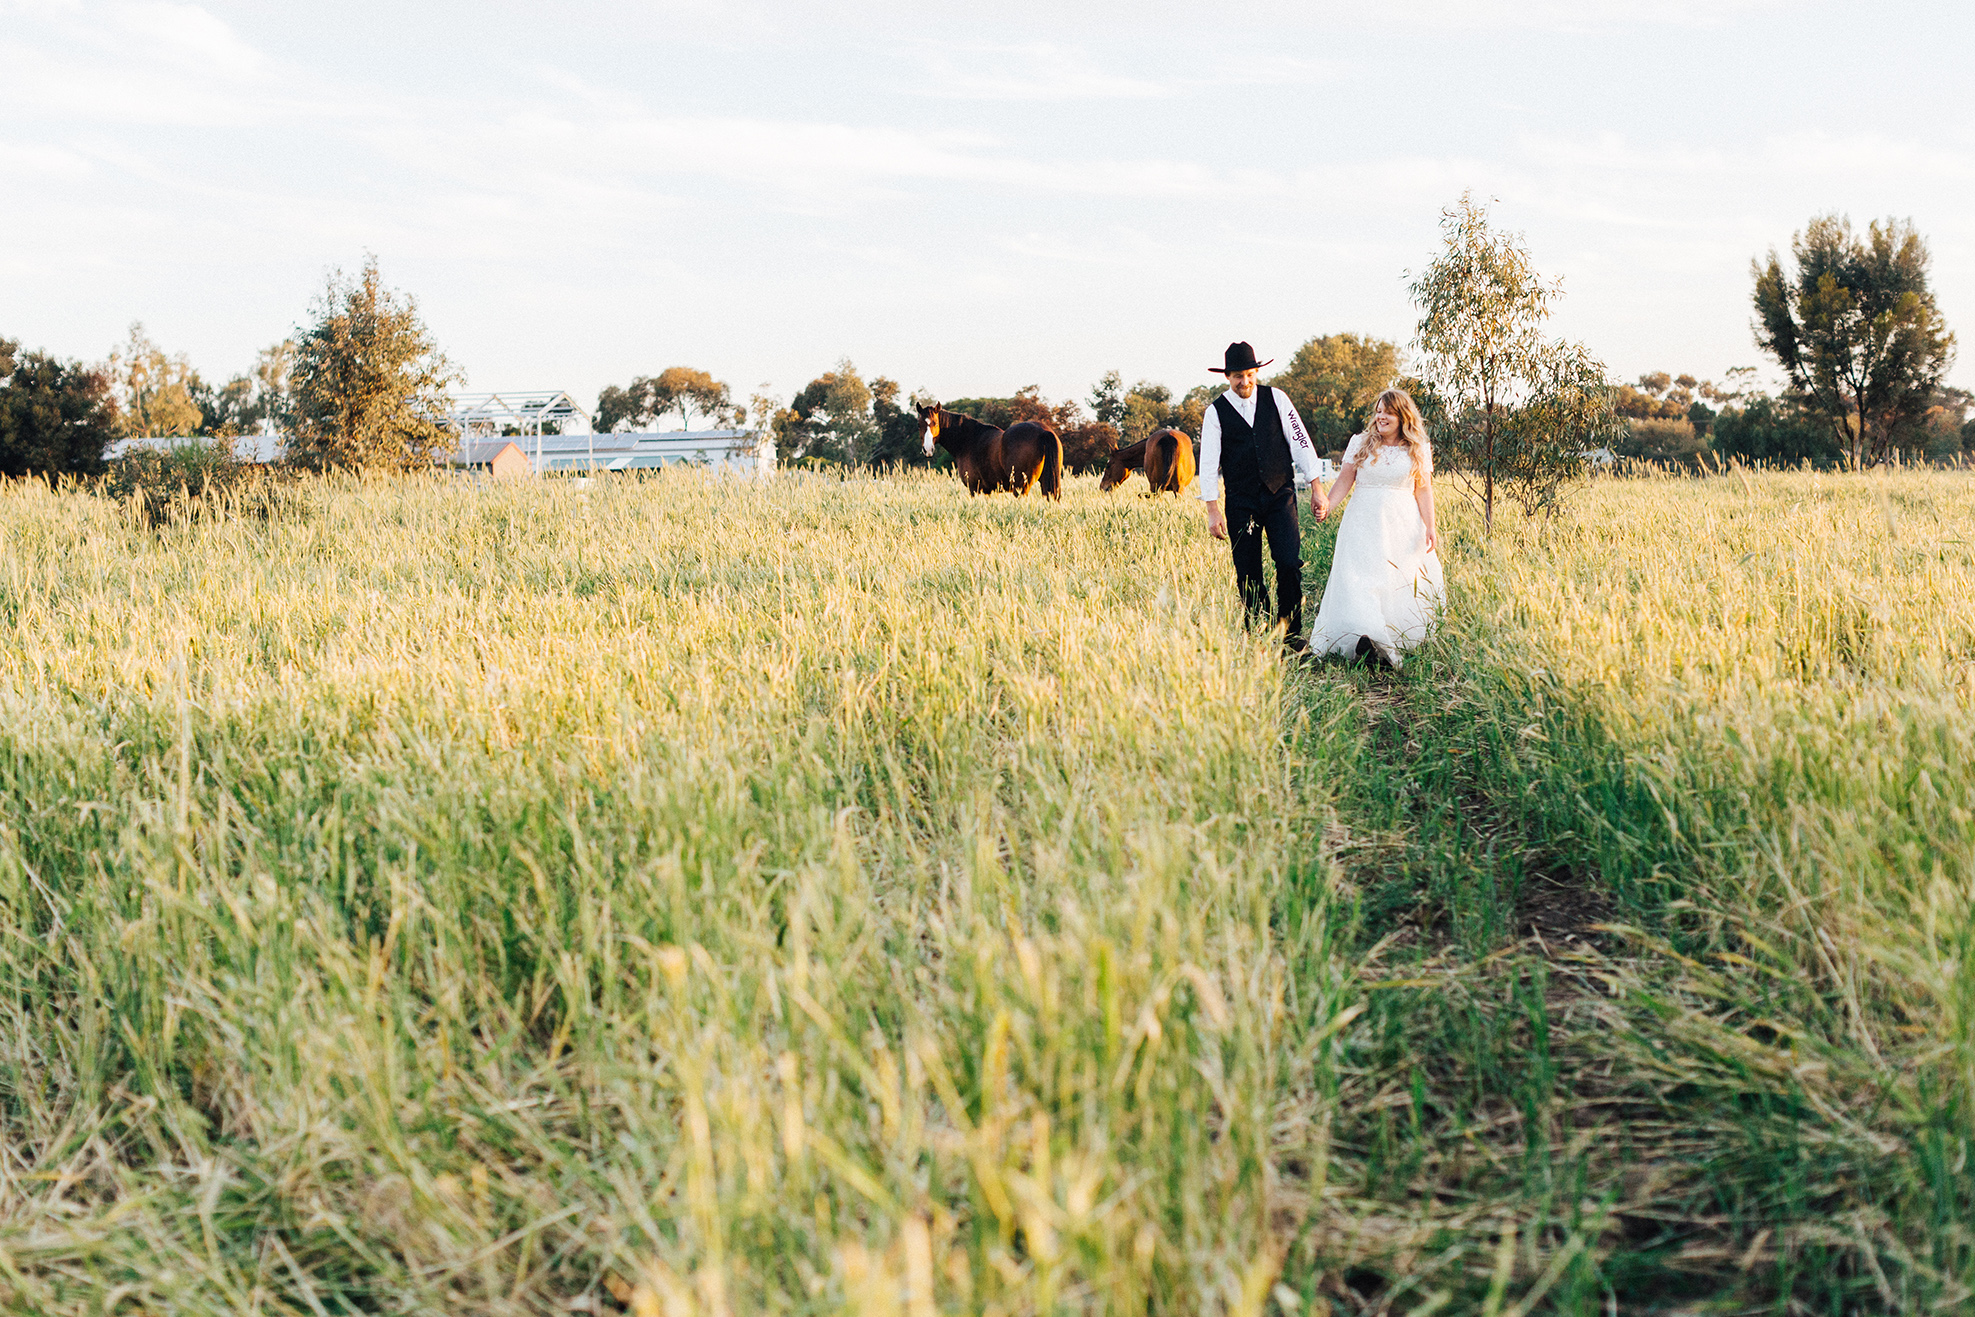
[1239,357]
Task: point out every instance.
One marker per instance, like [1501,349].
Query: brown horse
[1167,457]
[990,459]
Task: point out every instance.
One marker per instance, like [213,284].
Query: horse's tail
[1052,465]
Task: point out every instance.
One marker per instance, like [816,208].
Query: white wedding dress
[1384,583]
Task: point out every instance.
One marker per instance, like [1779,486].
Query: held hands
[1319,503]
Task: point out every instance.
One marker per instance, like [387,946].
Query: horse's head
[929,427]
[1115,474]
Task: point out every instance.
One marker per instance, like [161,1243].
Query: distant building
[532,420]
[499,458]
[247,447]
[734,452]
[1326,472]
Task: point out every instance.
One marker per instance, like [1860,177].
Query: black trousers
[1250,516]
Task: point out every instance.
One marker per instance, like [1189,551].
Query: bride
[1385,583]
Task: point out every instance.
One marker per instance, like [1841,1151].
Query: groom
[1253,439]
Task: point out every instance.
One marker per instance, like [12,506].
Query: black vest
[1254,458]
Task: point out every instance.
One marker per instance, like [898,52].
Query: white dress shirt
[1302,453]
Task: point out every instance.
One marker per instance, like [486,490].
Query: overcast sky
[967,198]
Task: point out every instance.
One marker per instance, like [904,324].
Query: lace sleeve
[1426,459]
[1354,450]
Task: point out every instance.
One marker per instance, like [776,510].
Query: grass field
[816,896]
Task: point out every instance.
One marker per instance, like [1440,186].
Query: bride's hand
[1432,539]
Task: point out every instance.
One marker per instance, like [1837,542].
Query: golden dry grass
[822,896]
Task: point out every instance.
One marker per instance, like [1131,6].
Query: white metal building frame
[478,416]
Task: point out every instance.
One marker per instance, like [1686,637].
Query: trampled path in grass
[1726,722]
[823,896]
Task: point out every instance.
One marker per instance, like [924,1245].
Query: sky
[965,198]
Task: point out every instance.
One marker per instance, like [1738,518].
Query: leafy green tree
[829,421]
[648,398]
[248,404]
[56,417]
[1334,379]
[1856,330]
[1776,432]
[1131,414]
[1107,400]
[1192,408]
[370,387]
[1148,408]
[618,408]
[1514,413]
[896,423]
[1938,437]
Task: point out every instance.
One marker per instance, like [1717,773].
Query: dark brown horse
[990,459]
[1166,456]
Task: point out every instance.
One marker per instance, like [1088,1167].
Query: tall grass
[684,896]
[1741,709]
[681,895]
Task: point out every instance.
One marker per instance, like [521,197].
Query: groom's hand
[1319,505]
[1217,525]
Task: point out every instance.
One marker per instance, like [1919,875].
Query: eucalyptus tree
[1514,413]
[682,389]
[368,387]
[1856,330]
[1333,379]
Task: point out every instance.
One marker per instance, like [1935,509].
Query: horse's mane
[948,414]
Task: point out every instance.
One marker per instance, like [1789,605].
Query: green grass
[694,896]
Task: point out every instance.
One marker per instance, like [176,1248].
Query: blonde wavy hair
[1411,428]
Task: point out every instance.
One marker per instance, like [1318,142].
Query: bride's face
[1385,424]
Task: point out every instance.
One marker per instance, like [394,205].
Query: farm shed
[499,458]
[246,447]
[734,452]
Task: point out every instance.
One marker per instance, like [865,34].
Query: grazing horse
[990,459]
[1166,455]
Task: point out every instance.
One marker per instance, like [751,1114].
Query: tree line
[1850,319]
[362,385]
[840,419]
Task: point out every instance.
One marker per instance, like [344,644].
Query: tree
[1937,438]
[896,425]
[56,417]
[1334,379]
[1778,431]
[1107,400]
[1148,408]
[1856,330]
[1514,412]
[370,387]
[682,389]
[685,390]
[829,420]
[249,404]
[156,394]
[619,409]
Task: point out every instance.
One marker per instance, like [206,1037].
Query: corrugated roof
[481,452]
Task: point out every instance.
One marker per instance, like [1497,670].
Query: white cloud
[1044,72]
